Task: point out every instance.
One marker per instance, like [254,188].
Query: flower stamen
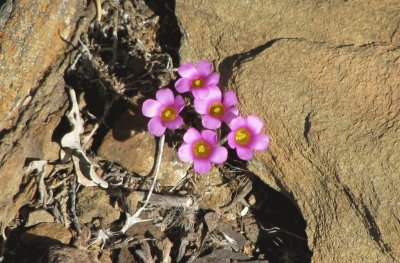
[242,136]
[198,83]
[168,114]
[217,110]
[201,149]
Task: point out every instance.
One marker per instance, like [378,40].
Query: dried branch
[71,143]
[103,236]
[166,251]
[98,10]
[115,41]
[72,197]
[163,200]
[131,220]
[245,191]
[129,242]
[39,167]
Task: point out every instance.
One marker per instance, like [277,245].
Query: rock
[212,195]
[212,29]
[32,67]
[145,230]
[64,254]
[125,255]
[223,256]
[132,201]
[44,235]
[251,229]
[39,216]
[94,203]
[333,124]
[106,257]
[331,106]
[239,240]
[135,149]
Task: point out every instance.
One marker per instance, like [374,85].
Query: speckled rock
[324,76]
[32,48]
[213,196]
[64,254]
[39,216]
[135,149]
[44,235]
[94,203]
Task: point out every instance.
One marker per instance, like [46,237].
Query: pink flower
[216,111]
[198,79]
[202,149]
[163,112]
[246,136]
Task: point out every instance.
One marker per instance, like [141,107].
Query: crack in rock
[369,221]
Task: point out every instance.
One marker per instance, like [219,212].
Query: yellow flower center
[242,136]
[198,83]
[216,110]
[168,114]
[201,149]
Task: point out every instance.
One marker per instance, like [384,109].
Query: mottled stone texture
[94,204]
[31,89]
[129,145]
[44,235]
[64,254]
[324,75]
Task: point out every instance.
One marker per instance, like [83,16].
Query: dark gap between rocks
[289,242]
[169,35]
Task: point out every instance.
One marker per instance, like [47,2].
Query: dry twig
[98,10]
[131,220]
[245,191]
[169,201]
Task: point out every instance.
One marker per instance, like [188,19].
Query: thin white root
[135,218]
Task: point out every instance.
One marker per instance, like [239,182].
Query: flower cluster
[202,147]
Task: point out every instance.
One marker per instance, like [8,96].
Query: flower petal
[187,70]
[175,123]
[204,67]
[202,166]
[201,105]
[255,124]
[214,94]
[179,103]
[237,122]
[219,155]
[244,153]
[229,116]
[260,142]
[212,80]
[151,108]
[191,136]
[230,99]
[182,85]
[235,111]
[200,93]
[156,127]
[231,140]
[210,122]
[210,137]
[185,153]
[165,97]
